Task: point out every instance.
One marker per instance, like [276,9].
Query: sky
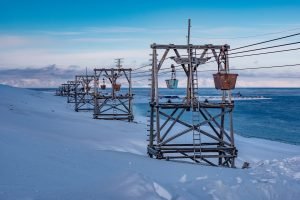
[45,43]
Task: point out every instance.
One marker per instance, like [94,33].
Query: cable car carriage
[86,88]
[116,86]
[103,86]
[173,82]
[225,81]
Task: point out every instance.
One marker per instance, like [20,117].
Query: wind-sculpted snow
[47,151]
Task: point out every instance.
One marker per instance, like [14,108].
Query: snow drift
[48,151]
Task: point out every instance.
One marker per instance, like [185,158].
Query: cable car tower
[59,91]
[192,129]
[113,103]
[84,92]
[64,89]
[71,91]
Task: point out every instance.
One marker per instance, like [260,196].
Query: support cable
[256,54]
[281,45]
[234,69]
[263,42]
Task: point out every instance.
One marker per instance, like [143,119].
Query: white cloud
[40,57]
[61,33]
[8,41]
[114,29]
[103,40]
[49,76]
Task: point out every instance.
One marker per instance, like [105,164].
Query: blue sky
[38,14]
[75,34]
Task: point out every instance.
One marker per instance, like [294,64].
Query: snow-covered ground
[48,151]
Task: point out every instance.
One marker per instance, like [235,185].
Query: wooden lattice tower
[194,130]
[64,89]
[71,91]
[84,92]
[113,102]
[59,91]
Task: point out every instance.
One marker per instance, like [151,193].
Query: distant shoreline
[184,88]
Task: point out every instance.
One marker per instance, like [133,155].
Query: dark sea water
[268,113]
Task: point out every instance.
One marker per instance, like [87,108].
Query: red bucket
[225,81]
[117,87]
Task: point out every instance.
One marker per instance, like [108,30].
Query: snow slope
[48,151]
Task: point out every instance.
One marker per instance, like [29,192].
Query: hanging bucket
[225,81]
[117,87]
[86,89]
[172,83]
[103,86]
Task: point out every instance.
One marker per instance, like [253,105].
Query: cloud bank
[53,76]
[49,76]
